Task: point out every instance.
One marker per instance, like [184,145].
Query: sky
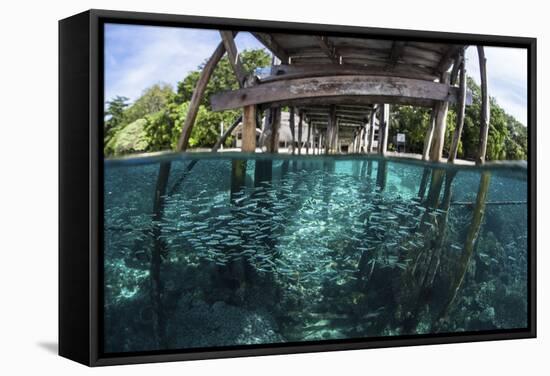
[137,57]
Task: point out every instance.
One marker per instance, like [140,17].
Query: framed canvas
[241,187]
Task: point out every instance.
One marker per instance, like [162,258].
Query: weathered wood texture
[300,132]
[233,55]
[429,133]
[470,241]
[196,98]
[329,49]
[436,150]
[397,90]
[293,71]
[268,41]
[249,129]
[384,129]
[272,145]
[370,144]
[292,125]
[331,130]
[308,137]
[426,59]
[461,108]
[485,109]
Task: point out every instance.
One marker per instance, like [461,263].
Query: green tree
[114,114]
[153,99]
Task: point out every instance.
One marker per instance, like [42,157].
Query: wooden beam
[347,99]
[287,71]
[196,98]
[272,45]
[329,49]
[249,129]
[382,86]
[461,108]
[233,55]
[485,107]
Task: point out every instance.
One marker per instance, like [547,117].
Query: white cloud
[137,57]
[506,77]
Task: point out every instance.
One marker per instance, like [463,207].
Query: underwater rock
[198,324]
[488,314]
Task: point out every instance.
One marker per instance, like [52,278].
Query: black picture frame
[81,177]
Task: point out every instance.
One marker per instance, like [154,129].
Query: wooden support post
[370,145]
[233,55]
[308,138]
[383,129]
[429,133]
[249,129]
[436,149]
[461,108]
[331,130]
[336,144]
[300,130]
[469,243]
[273,140]
[196,98]
[366,139]
[292,125]
[485,107]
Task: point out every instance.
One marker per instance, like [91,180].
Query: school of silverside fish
[330,252]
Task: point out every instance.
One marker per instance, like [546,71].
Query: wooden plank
[485,109]
[384,86]
[272,45]
[396,53]
[196,98]
[286,71]
[249,129]
[329,49]
[233,55]
[461,108]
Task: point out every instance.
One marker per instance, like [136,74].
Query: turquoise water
[249,249]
